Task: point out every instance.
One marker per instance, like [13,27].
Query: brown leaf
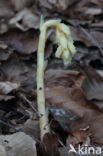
[14,68]
[93,11]
[19,144]
[66,78]
[93,85]
[31,128]
[48,50]
[88,37]
[4,54]
[6,97]
[28,20]
[7,87]
[96,127]
[23,43]
[5,51]
[5,10]
[60,94]
[20,4]
[59,4]
[49,145]
[97,25]
[66,86]
[63,117]
[60,97]
[45,3]
[79,137]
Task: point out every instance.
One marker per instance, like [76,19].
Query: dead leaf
[93,85]
[63,117]
[60,97]
[6,97]
[61,5]
[89,38]
[4,54]
[2,151]
[28,20]
[48,50]
[93,11]
[31,128]
[3,27]
[23,43]
[96,127]
[45,3]
[20,4]
[60,94]
[97,25]
[14,68]
[49,145]
[66,78]
[80,137]
[18,144]
[7,87]
[5,51]
[6,11]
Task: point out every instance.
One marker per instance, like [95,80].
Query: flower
[64,40]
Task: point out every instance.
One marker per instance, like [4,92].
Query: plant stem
[44,128]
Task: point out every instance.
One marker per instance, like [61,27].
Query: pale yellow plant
[65,50]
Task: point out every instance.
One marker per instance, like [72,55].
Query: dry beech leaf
[49,145]
[6,12]
[7,86]
[66,78]
[2,151]
[93,84]
[31,128]
[93,11]
[60,97]
[89,113]
[95,126]
[18,144]
[28,18]
[14,68]
[64,91]
[5,52]
[24,43]
[61,5]
[63,117]
[19,4]
[79,137]
[87,37]
[6,97]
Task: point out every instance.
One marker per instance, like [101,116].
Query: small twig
[30,103]
[8,125]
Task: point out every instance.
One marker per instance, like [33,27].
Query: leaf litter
[73,93]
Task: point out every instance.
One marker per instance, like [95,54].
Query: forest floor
[74,93]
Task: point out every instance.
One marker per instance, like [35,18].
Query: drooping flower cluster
[64,40]
[65,49]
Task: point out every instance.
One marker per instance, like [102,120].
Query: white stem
[44,127]
[43,113]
